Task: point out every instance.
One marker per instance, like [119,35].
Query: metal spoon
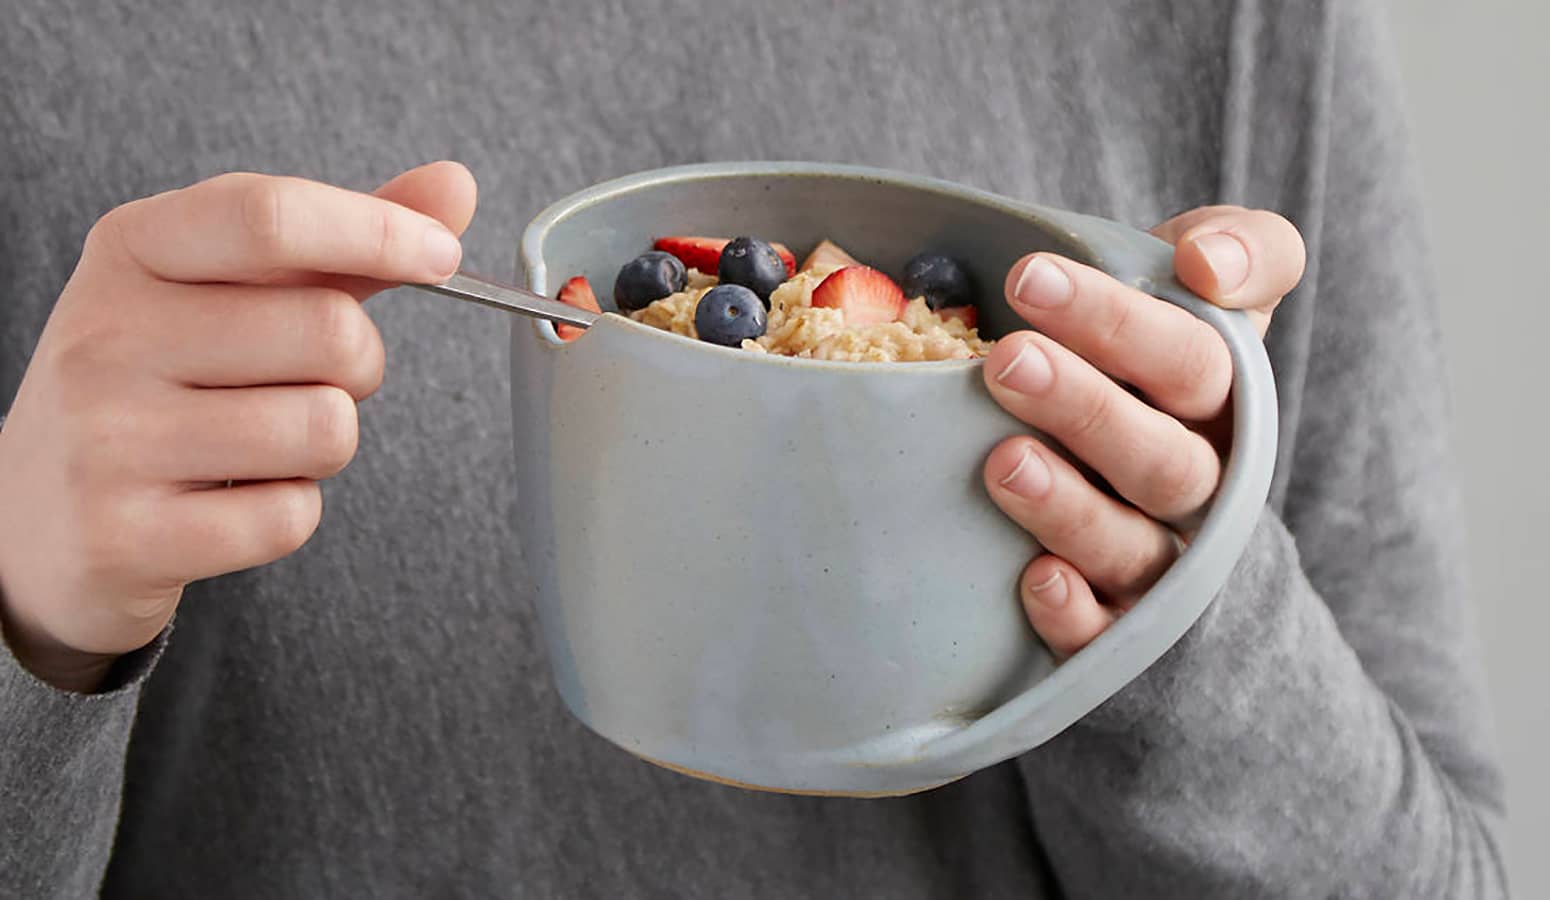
[512,299]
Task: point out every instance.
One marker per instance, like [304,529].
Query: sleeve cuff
[20,689]
[1260,623]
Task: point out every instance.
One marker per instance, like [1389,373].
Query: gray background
[1478,91]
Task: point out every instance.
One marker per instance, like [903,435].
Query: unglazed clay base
[860,795]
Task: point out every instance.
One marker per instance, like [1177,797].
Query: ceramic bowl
[785,573]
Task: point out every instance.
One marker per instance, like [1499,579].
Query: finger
[1149,457]
[241,335]
[202,534]
[1118,549]
[1237,258]
[1178,361]
[256,228]
[1061,606]
[445,191]
[253,434]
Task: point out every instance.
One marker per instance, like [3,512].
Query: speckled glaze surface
[785,573]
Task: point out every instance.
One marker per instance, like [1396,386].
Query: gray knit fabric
[372,717]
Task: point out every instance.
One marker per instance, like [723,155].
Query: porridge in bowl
[748,293]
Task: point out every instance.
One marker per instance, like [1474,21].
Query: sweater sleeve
[62,775]
[1322,730]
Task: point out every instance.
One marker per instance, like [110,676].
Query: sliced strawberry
[576,292]
[787,257]
[968,315]
[828,253]
[867,296]
[704,253]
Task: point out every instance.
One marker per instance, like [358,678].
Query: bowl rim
[537,231]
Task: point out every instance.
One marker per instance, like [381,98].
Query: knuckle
[351,343]
[371,363]
[384,228]
[228,182]
[103,231]
[85,343]
[75,358]
[1096,410]
[339,326]
[295,513]
[331,430]
[262,203]
[106,234]
[1073,525]
[1177,481]
[113,231]
[1134,572]
[1202,368]
[1113,332]
[86,362]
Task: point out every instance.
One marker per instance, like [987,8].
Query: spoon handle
[463,286]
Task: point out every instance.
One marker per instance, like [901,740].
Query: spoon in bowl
[474,289]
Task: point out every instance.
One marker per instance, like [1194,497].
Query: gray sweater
[372,717]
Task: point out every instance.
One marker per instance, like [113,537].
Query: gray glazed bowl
[785,574]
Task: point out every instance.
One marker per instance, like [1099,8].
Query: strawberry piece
[787,257]
[576,292]
[704,253]
[865,295]
[968,315]
[828,253]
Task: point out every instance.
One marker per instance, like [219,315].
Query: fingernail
[1030,478]
[1052,592]
[1043,285]
[1028,372]
[442,251]
[1227,259]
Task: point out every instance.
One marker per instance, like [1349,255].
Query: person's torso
[373,715]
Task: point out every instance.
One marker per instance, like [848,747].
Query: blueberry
[650,276]
[729,314]
[942,280]
[753,264]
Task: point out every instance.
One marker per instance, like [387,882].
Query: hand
[207,334]
[1158,453]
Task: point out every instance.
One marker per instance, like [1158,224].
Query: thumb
[1236,258]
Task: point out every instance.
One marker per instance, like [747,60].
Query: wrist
[62,666]
[47,659]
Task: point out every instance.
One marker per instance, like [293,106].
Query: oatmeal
[834,308]
[797,328]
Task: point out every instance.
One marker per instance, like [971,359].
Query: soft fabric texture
[372,717]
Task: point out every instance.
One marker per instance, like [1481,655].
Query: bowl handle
[1141,636]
